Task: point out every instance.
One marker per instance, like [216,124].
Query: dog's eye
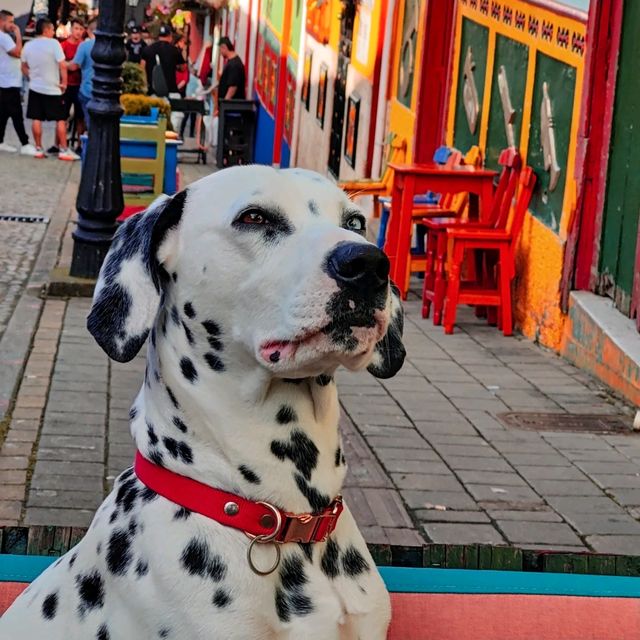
[253,216]
[355,223]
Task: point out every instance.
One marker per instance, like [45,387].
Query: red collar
[254,518]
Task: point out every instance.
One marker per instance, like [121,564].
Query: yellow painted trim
[528,99]
[570,193]
[397,46]
[420,37]
[276,33]
[488,83]
[453,89]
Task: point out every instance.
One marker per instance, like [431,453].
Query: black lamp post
[100,199]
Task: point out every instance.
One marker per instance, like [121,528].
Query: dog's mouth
[350,341]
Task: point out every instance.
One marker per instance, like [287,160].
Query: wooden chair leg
[440,283]
[505,293]
[453,287]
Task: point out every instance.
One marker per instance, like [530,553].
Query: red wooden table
[412,179]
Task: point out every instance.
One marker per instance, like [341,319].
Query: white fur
[256,292]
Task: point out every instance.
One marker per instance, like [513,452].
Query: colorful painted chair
[496,247]
[434,285]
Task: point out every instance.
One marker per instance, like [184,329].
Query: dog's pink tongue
[276,351]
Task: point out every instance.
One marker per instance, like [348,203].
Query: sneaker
[39,154]
[53,150]
[27,150]
[9,148]
[67,154]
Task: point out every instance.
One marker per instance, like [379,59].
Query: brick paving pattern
[429,458]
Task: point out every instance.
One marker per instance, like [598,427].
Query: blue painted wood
[410,580]
[16,568]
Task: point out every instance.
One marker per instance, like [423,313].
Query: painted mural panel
[507,97]
[470,93]
[551,119]
[622,204]
[296,25]
[410,24]
[273,11]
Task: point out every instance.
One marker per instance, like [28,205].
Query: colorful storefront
[517,78]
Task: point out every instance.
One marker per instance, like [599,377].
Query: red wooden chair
[494,288]
[434,286]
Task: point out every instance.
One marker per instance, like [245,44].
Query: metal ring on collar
[254,567]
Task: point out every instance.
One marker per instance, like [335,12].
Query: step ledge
[617,327]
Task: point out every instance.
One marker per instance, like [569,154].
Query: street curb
[17,338]
[62,285]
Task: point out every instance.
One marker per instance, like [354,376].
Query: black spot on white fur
[197,560]
[221,598]
[338,456]
[290,597]
[133,412]
[330,557]
[142,568]
[103,632]
[90,591]
[214,362]
[211,327]
[50,606]
[187,332]
[286,414]
[317,500]
[153,438]
[164,632]
[178,449]
[175,316]
[300,449]
[353,562]
[119,552]
[182,514]
[189,311]
[215,343]
[156,457]
[180,424]
[173,399]
[249,475]
[313,207]
[188,369]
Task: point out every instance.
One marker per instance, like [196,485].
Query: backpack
[158,81]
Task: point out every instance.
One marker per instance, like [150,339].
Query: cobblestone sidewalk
[428,458]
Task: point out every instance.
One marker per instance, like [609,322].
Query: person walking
[135,45]
[70,96]
[84,62]
[170,59]
[11,85]
[232,81]
[44,65]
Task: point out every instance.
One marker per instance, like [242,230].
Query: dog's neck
[241,430]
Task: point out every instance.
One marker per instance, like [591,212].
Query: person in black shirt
[232,80]
[135,45]
[170,59]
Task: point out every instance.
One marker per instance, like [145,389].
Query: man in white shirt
[11,84]
[43,62]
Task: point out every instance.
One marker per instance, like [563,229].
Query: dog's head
[275,262]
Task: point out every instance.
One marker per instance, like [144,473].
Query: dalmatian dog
[252,286]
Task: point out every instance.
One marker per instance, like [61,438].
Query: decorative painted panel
[507,97]
[551,121]
[408,51]
[273,11]
[472,68]
[296,25]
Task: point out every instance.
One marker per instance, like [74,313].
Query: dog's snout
[359,266]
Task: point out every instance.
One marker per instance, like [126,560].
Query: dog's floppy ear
[129,288]
[389,353]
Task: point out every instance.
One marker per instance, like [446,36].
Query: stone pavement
[429,458]
[41,186]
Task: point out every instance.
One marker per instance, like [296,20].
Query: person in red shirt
[70,97]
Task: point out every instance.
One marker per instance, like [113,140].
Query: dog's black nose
[359,266]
